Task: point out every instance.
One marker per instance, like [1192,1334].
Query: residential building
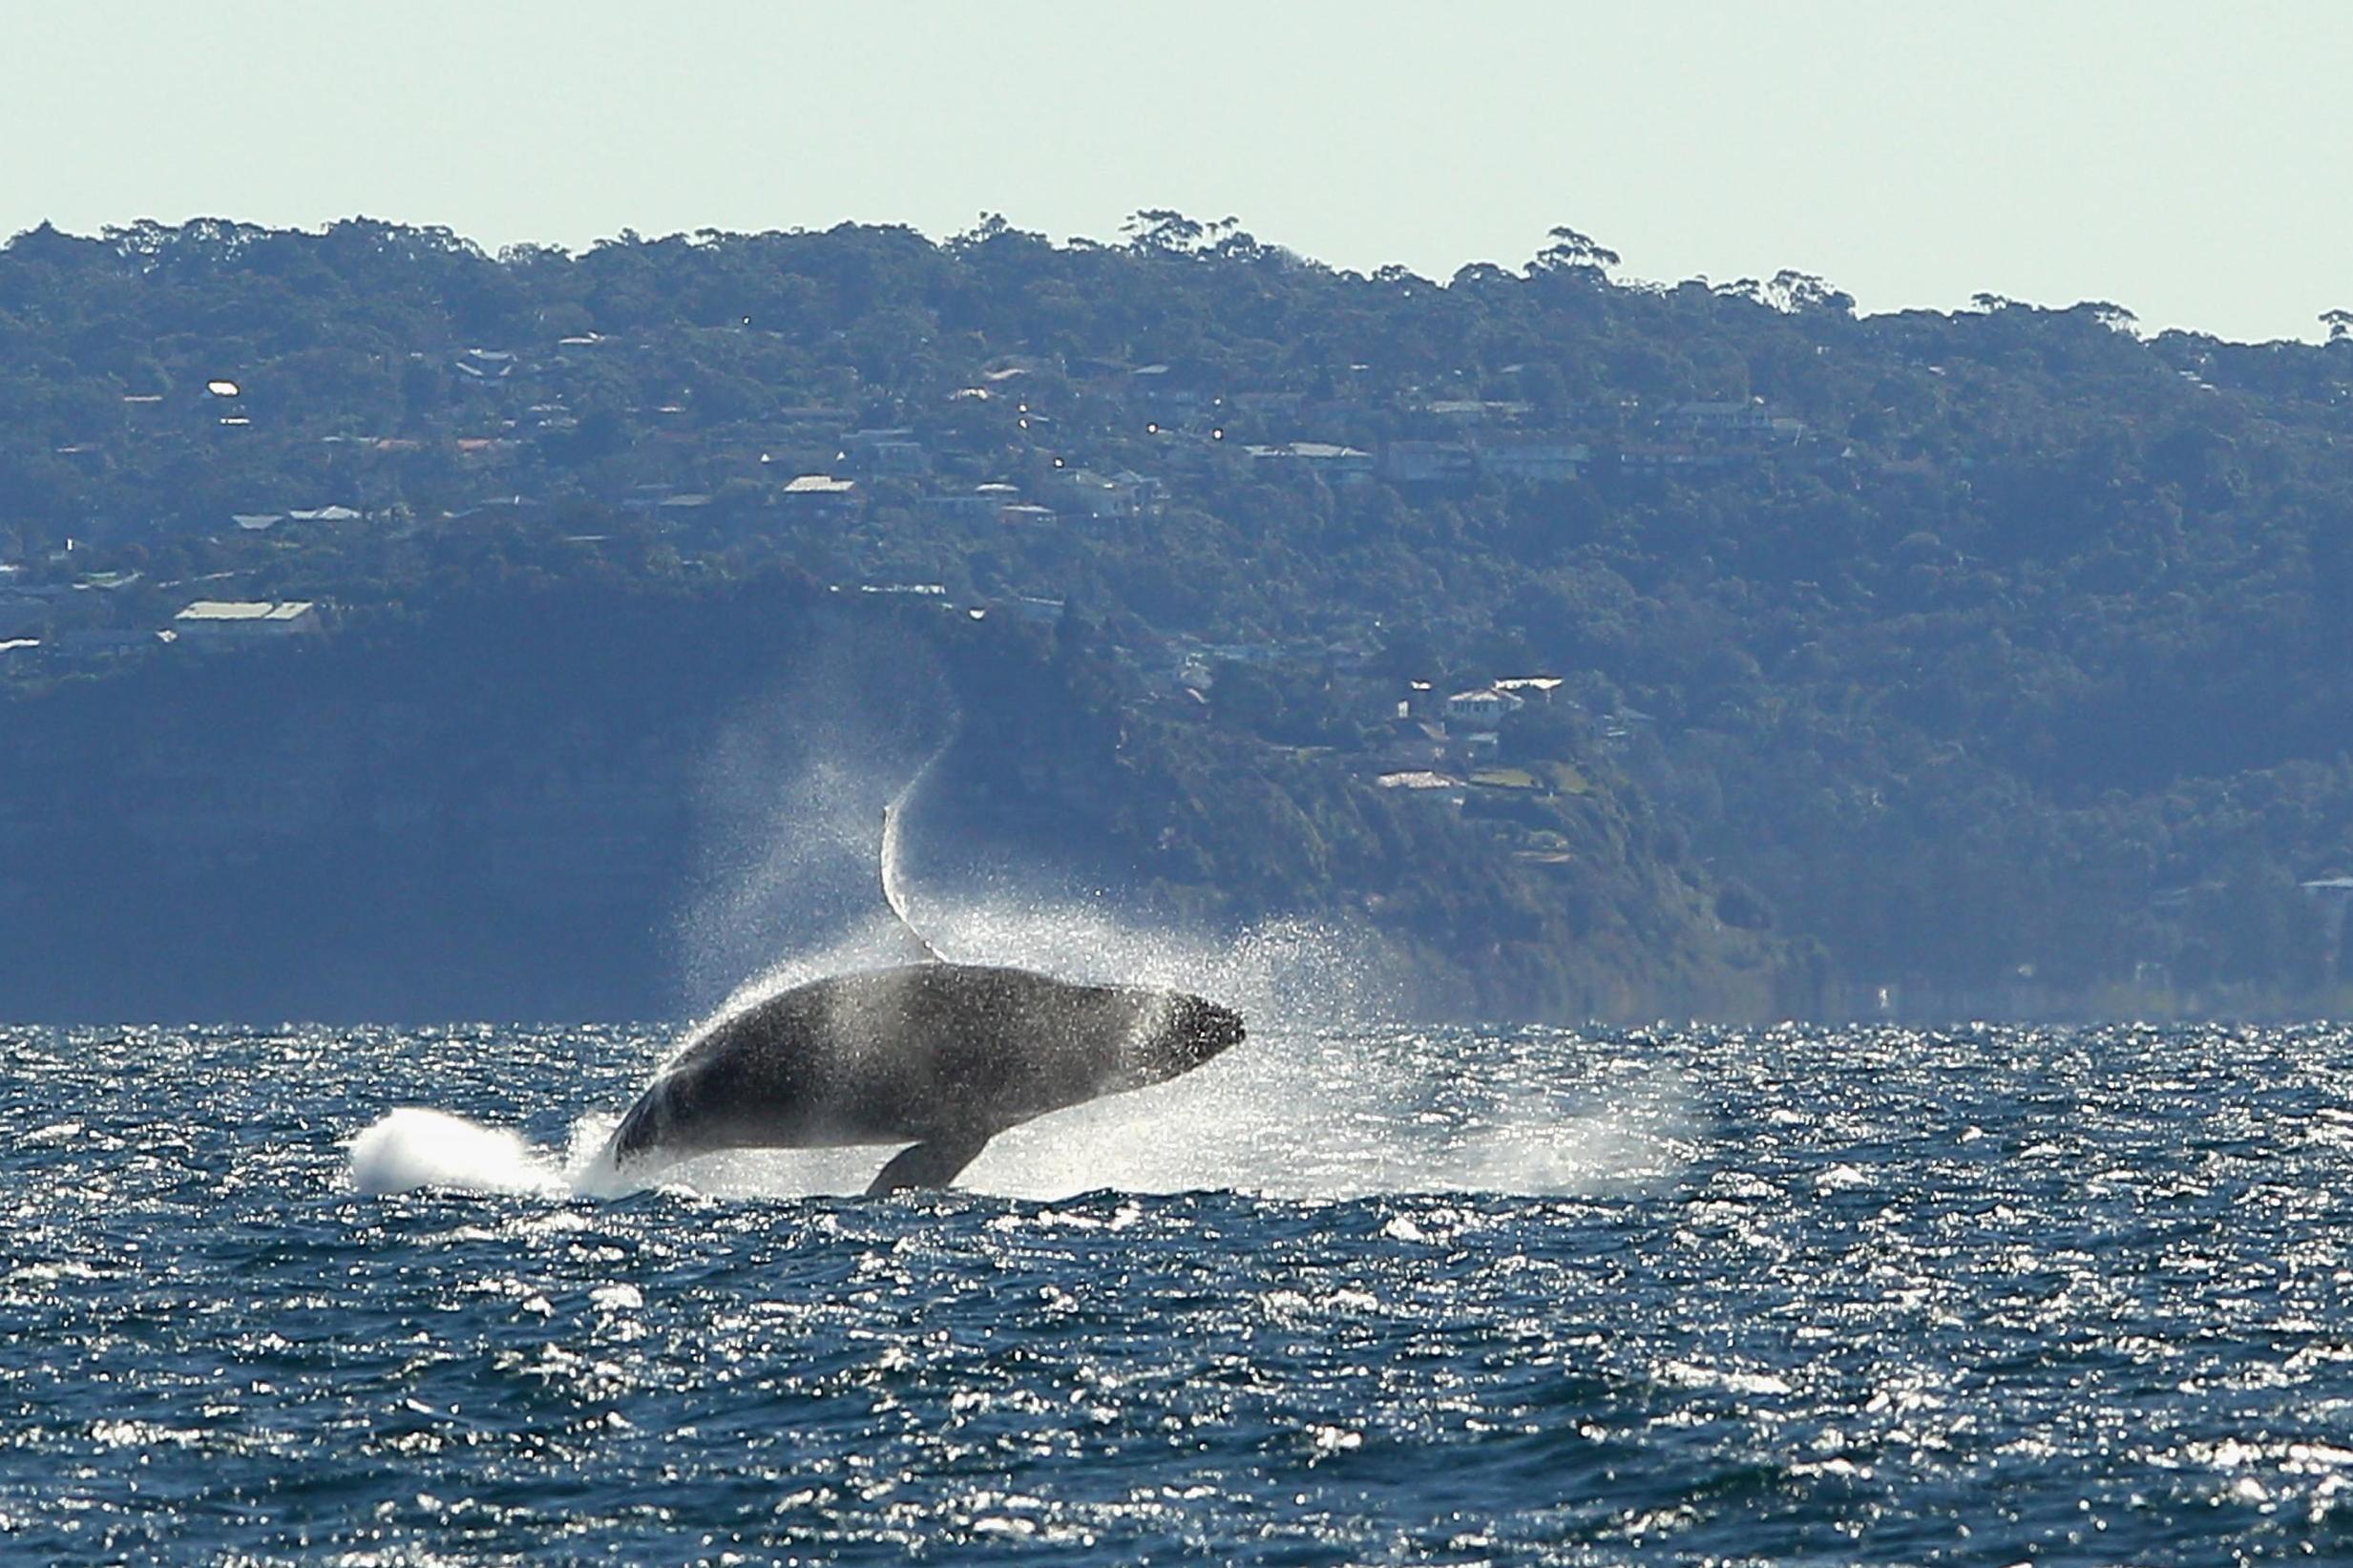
[1535,460]
[230,623]
[1088,493]
[1425,462]
[822,495]
[1480,710]
[1531,688]
[1743,418]
[883,454]
[1338,464]
[972,508]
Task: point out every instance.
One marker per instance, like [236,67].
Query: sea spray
[414,1147]
[789,803]
[1325,1101]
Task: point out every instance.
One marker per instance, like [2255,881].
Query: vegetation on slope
[2000,652]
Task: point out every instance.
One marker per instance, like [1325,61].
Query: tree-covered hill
[1997,659]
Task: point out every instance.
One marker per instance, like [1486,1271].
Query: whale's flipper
[934,1162]
[917,948]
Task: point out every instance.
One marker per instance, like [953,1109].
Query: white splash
[414,1148]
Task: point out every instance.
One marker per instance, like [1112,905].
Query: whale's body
[939,1055]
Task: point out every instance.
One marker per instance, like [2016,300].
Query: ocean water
[1345,1295]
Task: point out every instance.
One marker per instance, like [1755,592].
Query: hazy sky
[2187,161]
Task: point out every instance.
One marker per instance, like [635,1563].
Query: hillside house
[1531,688]
[975,507]
[1471,411]
[212,624]
[1122,494]
[822,495]
[1536,460]
[1418,780]
[1480,710]
[1425,462]
[883,455]
[1337,465]
[1173,391]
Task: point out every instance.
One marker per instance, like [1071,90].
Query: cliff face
[577,804]
[249,842]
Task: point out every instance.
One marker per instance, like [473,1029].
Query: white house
[1531,688]
[1480,710]
[1418,779]
[1121,495]
[822,495]
[233,623]
[979,506]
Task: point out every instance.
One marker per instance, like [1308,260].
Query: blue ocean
[1361,1294]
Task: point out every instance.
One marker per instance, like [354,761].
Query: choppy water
[1791,1296]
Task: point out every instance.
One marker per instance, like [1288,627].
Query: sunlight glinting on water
[1980,1295]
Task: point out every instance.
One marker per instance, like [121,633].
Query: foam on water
[414,1147]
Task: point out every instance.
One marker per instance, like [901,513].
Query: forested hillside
[1994,661]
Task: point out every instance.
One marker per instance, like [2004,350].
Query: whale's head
[1187,1032]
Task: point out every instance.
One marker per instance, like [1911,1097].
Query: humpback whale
[931,1054]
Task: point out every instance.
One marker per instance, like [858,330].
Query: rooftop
[244,610]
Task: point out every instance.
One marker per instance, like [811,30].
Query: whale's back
[918,1052]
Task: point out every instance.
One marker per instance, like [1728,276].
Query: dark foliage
[1996,653]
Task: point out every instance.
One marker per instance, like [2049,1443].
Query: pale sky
[2193,162]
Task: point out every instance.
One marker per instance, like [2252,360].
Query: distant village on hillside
[1010,456]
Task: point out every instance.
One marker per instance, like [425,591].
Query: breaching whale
[936,1055]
